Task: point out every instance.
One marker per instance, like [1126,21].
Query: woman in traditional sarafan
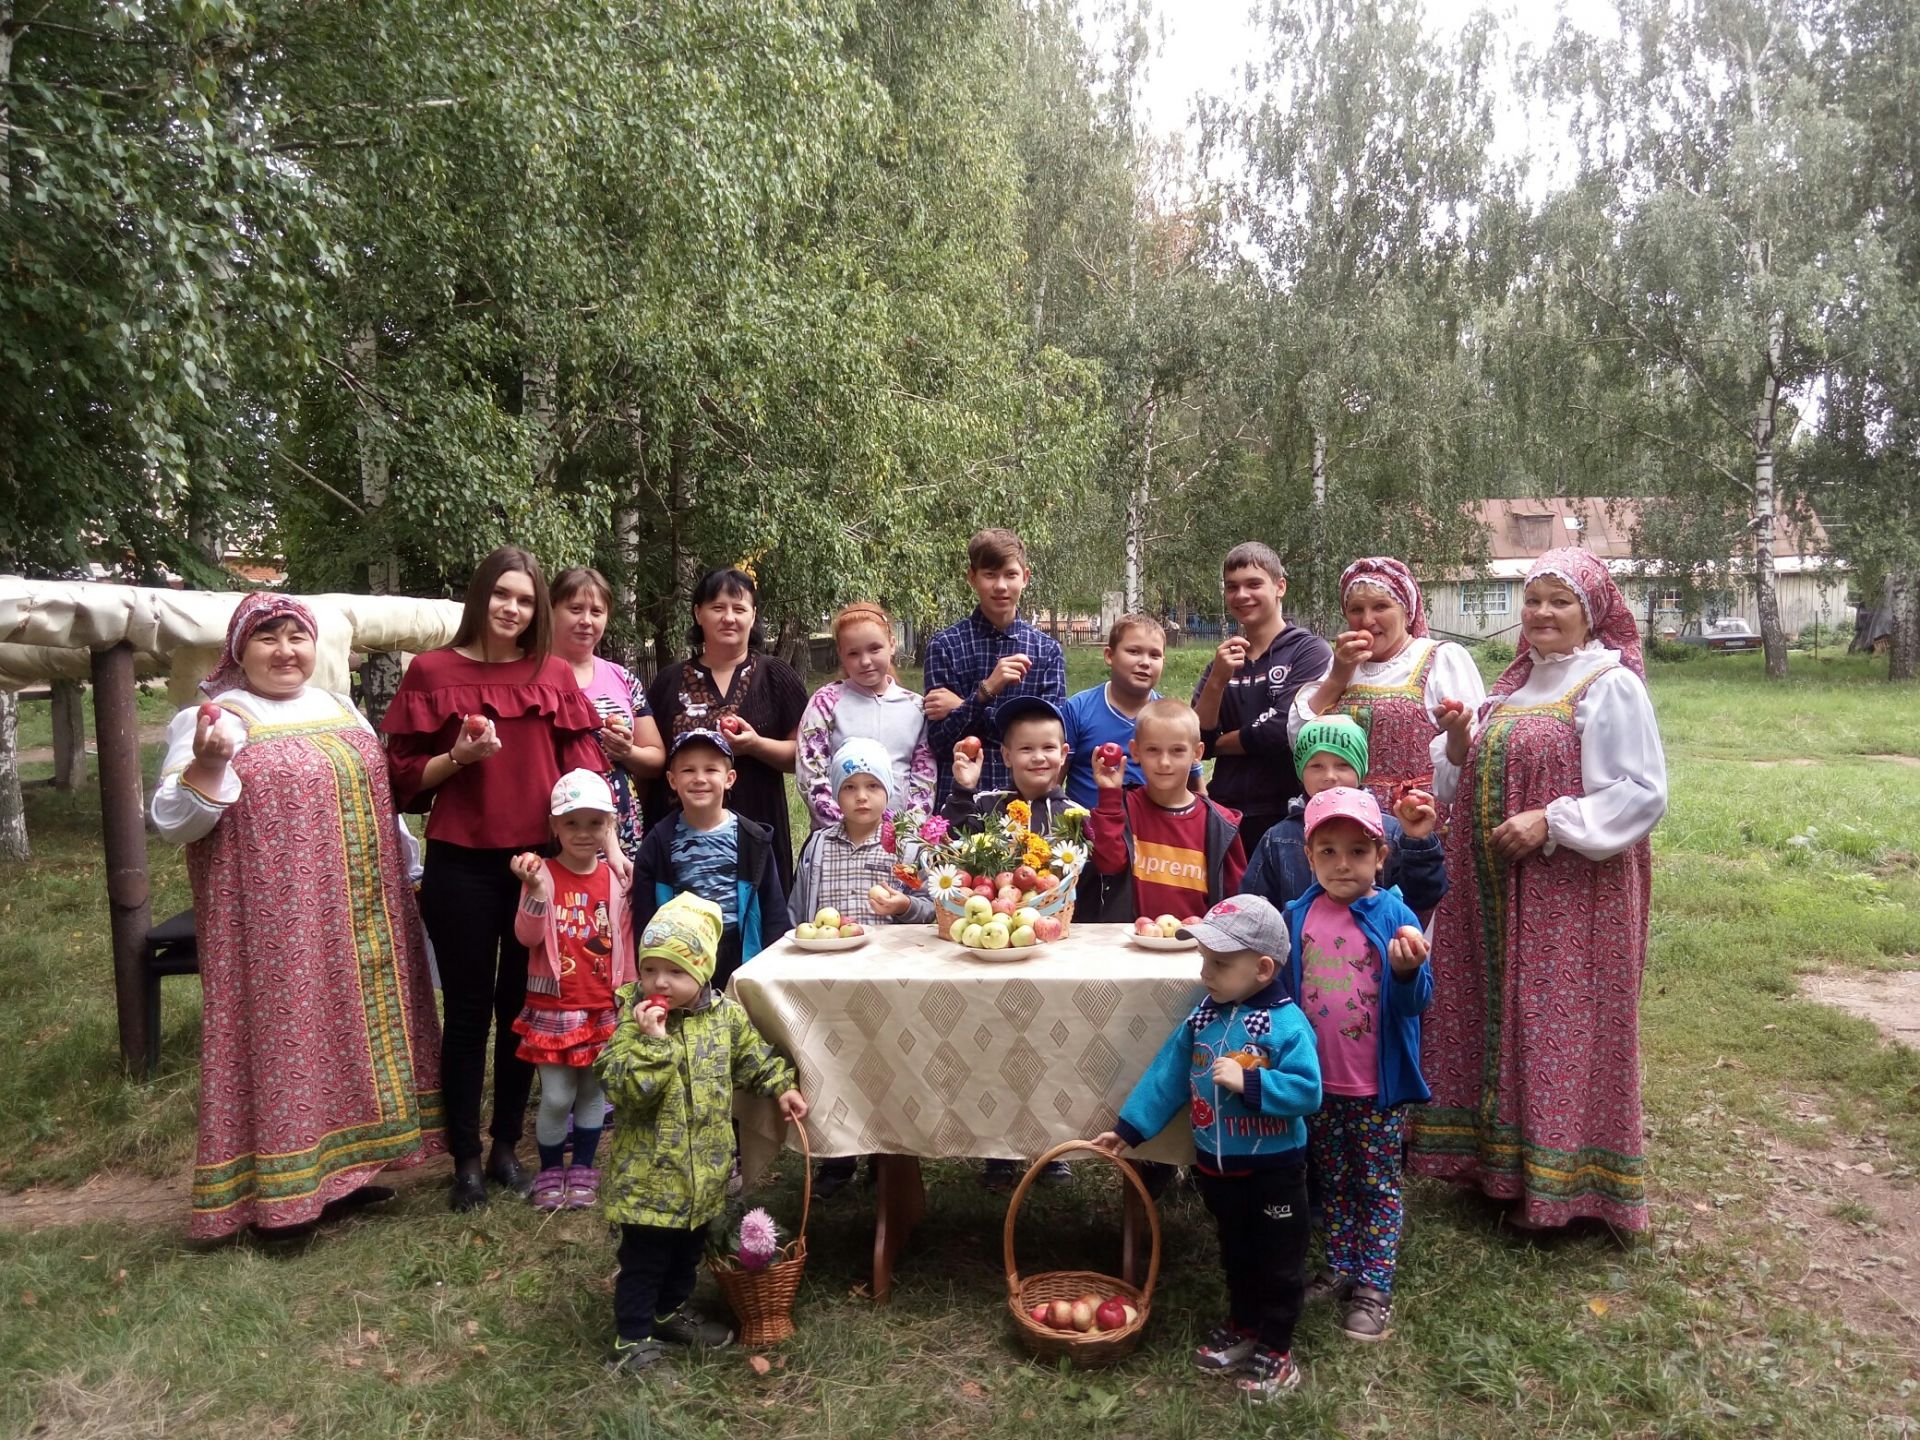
[319,1045]
[1532,1044]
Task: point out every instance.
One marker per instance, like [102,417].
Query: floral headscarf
[1383,572]
[1608,619]
[259,609]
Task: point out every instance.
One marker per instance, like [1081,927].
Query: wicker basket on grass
[1093,1347]
[762,1300]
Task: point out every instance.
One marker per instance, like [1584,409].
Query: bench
[171,948]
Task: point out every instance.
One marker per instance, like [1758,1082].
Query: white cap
[581,790]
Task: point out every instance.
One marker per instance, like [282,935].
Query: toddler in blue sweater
[1244,1069]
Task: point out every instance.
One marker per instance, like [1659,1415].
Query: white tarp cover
[47,628]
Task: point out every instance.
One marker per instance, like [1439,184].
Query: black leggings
[658,1268]
[1263,1248]
[467,899]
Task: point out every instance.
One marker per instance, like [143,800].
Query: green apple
[1023,937]
[978,907]
[828,918]
[970,937]
[1025,917]
[806,932]
[994,939]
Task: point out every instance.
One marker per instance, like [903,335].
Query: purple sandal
[583,1187]
[550,1189]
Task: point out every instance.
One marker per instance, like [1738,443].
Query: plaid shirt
[835,871]
[959,658]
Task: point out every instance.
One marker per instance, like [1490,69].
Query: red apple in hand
[659,1001]
[731,724]
[969,746]
[210,714]
[1110,755]
[474,727]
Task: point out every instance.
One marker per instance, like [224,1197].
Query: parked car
[1730,636]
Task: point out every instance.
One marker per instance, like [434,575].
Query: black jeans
[657,1269]
[467,899]
[1263,1248]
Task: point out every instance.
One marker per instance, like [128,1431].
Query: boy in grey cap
[1243,1065]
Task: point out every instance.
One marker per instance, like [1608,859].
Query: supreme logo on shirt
[1174,865]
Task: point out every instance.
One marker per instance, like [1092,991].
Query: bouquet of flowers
[1007,886]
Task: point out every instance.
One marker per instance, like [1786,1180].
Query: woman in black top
[731,684]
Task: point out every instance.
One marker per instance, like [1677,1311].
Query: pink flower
[887,836]
[933,830]
[759,1239]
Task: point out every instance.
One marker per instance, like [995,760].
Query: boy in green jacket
[679,1053]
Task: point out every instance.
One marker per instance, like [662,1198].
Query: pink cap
[1343,802]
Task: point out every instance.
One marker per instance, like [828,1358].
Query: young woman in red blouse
[479,732]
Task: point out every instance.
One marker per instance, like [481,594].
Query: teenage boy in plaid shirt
[987,657]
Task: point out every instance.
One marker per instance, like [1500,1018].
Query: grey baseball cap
[1242,922]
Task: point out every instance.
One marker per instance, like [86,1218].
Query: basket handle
[1132,1176]
[806,1175]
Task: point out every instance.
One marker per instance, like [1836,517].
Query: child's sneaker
[550,1188]
[1273,1375]
[630,1357]
[687,1326]
[1227,1349]
[583,1187]
[1369,1314]
[1329,1286]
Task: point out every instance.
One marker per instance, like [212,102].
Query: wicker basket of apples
[1014,910]
[1090,1318]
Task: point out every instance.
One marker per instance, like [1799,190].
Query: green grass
[422,1323]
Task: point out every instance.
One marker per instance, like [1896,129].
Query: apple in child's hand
[1111,1315]
[210,713]
[1110,755]
[969,746]
[658,1001]
[878,892]
[828,918]
[1060,1314]
[1025,877]
[1046,929]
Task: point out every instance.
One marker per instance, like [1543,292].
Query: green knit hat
[1337,734]
[685,932]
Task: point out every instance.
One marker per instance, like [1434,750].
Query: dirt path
[1887,999]
[43,754]
[163,1204]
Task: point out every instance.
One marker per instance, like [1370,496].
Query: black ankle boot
[469,1190]
[505,1170]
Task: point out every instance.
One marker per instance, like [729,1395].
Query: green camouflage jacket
[672,1144]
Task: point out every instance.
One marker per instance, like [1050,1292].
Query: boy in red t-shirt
[1182,850]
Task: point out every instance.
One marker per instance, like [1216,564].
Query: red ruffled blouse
[546,728]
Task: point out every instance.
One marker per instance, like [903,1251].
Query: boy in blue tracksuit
[1243,1067]
[1357,966]
[1333,751]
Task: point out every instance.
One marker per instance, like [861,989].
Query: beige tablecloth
[907,1046]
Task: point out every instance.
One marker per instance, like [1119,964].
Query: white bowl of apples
[829,931]
[1162,933]
[998,930]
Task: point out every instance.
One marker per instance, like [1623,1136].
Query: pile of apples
[1000,913]
[827,925]
[1088,1313]
[1163,925]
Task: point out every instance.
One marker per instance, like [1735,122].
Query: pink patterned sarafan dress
[1400,730]
[1531,1045]
[320,1045]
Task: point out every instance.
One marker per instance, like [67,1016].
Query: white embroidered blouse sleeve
[1623,771]
[180,814]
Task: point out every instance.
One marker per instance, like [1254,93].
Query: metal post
[123,829]
[69,736]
